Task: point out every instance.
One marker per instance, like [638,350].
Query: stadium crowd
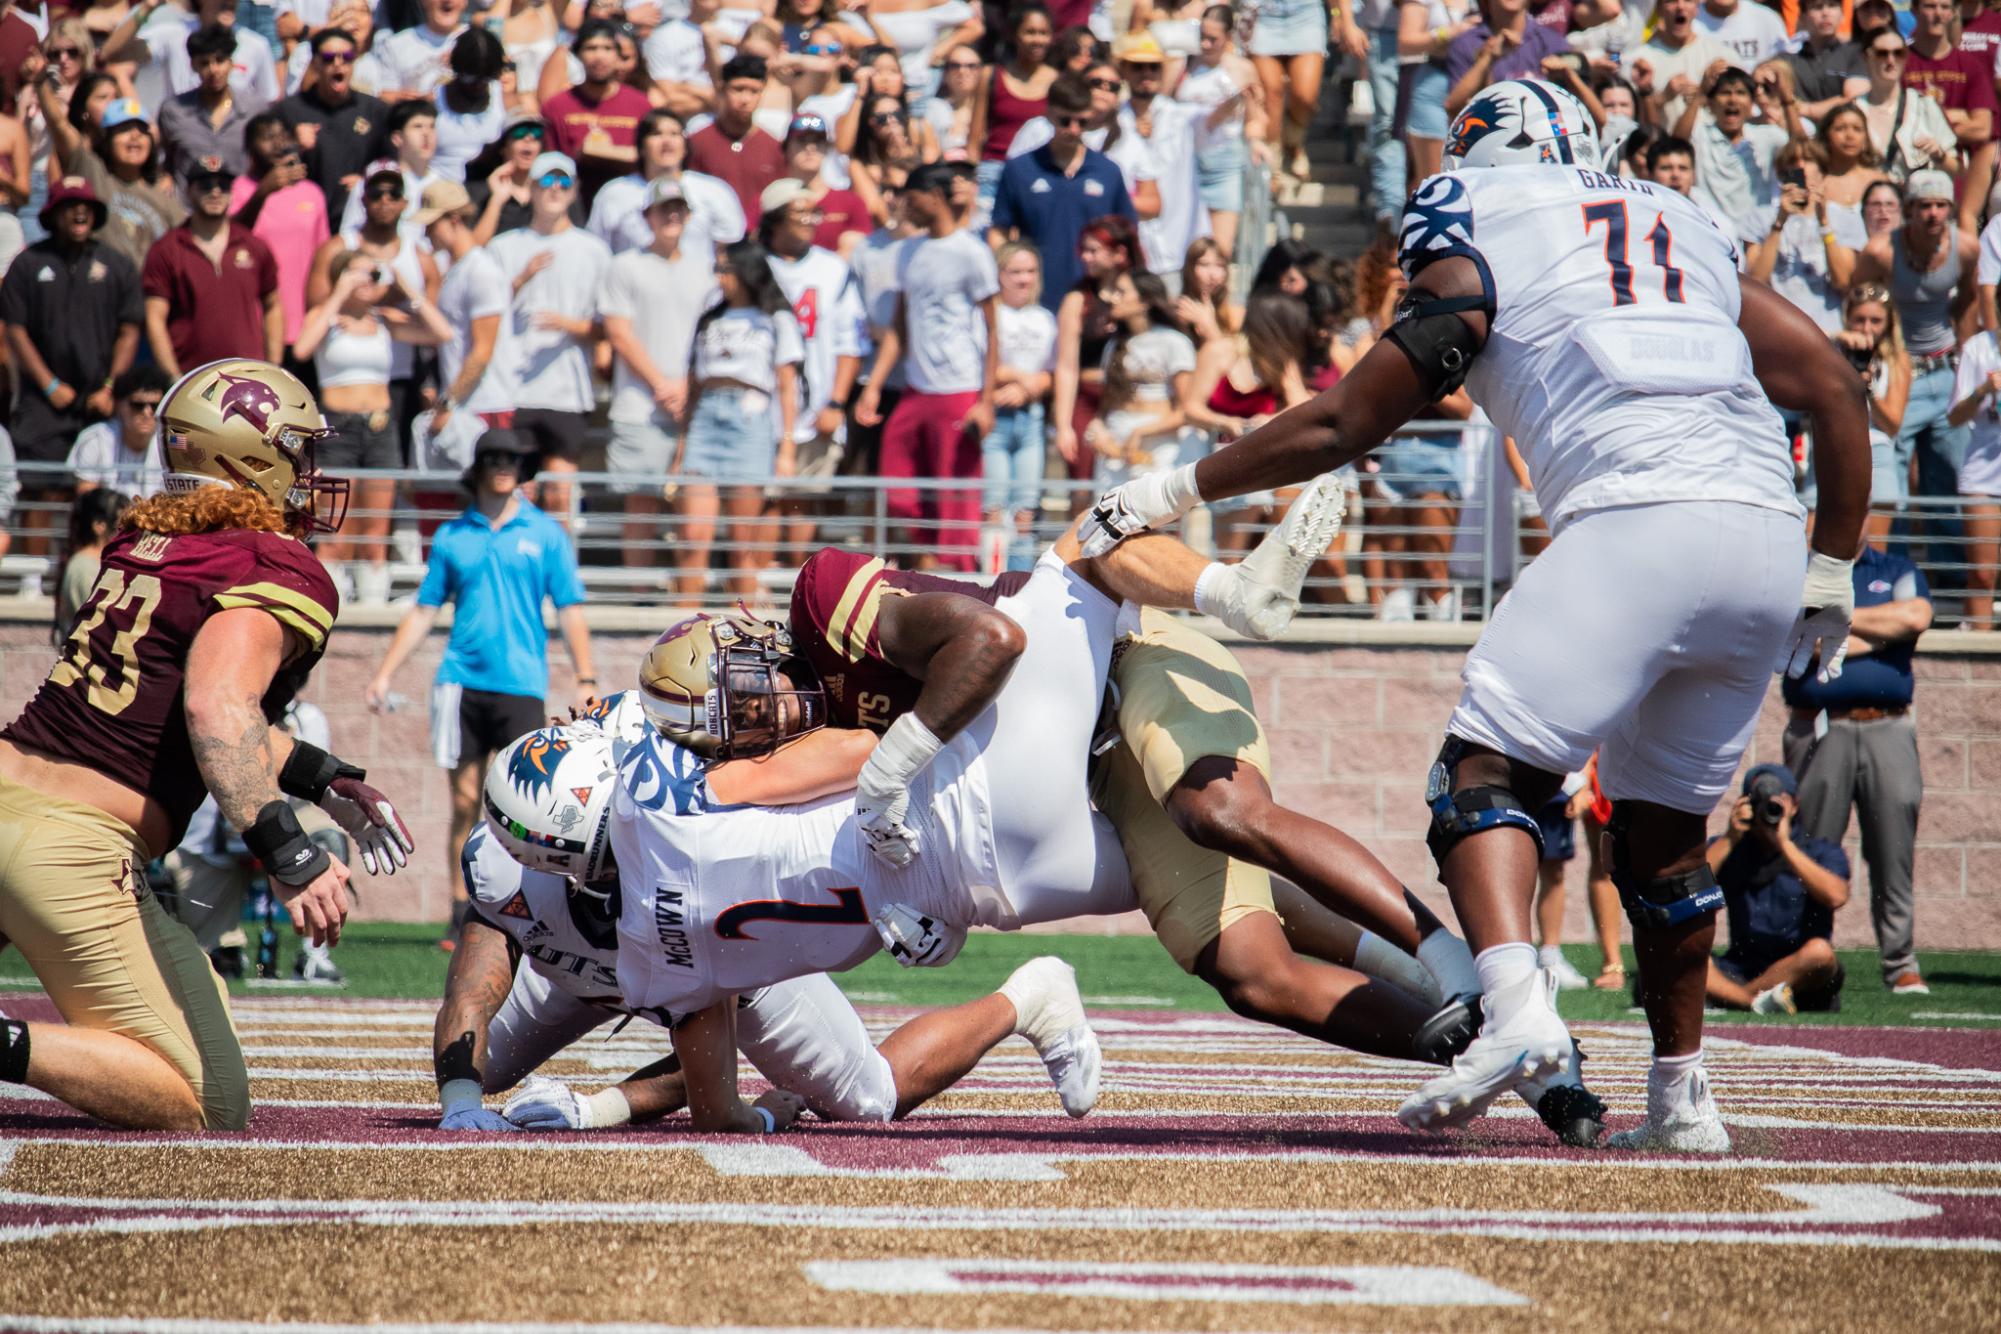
[733,244]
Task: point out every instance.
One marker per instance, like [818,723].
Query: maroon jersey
[113,701]
[835,604]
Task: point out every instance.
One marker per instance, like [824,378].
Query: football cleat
[1528,1044]
[314,963]
[1050,1014]
[1449,1031]
[1775,1000]
[1694,1126]
[1565,972]
[1573,1113]
[1262,594]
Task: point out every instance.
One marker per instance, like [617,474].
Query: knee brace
[1459,815]
[1664,901]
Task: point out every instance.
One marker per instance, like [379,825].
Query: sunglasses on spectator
[202,185]
[524,132]
[959,66]
[65,53]
[822,49]
[1063,121]
[555,180]
[886,118]
[143,406]
[335,57]
[382,192]
[1104,85]
[1888,52]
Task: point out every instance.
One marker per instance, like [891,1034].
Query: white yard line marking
[1352,1285]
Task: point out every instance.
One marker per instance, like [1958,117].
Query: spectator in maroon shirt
[211,286]
[733,149]
[596,122]
[1963,84]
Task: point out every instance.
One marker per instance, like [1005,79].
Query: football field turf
[1233,1178]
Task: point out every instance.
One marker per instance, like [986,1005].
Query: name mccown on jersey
[668,923]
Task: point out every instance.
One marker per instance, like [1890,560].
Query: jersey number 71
[1612,212]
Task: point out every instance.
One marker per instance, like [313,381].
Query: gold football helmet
[245,423]
[729,686]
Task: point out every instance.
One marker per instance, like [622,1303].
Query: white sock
[1211,588]
[1450,963]
[1380,959]
[1550,956]
[1028,989]
[1503,966]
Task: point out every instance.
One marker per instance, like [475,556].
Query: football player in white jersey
[500,1022]
[1602,324]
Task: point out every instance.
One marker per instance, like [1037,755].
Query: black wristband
[455,1062]
[310,771]
[280,843]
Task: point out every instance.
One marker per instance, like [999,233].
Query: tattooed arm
[961,648]
[230,665]
[481,974]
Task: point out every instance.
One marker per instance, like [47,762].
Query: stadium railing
[1454,557]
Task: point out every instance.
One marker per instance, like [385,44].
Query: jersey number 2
[112,594]
[846,910]
[1612,213]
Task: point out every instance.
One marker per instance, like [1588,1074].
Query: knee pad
[1459,815]
[1664,901]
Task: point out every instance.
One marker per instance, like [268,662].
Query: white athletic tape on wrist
[606,1107]
[902,753]
[1830,581]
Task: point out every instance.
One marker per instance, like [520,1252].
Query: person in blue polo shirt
[495,563]
[1780,893]
[1048,196]
[1852,742]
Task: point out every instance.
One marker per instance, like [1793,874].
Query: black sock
[13,1051]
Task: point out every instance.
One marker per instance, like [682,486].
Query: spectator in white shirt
[154,36]
[1751,33]
[1168,130]
[742,413]
[123,451]
[556,268]
[1668,71]
[417,60]
[413,137]
[618,216]
[677,61]
[475,299]
[1015,453]
[652,339]
[471,107]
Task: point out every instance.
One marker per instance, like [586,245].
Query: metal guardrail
[1400,554]
[1254,226]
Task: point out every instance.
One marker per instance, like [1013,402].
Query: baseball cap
[664,190]
[807,122]
[439,199]
[1928,184]
[552,161]
[781,193]
[123,111]
[210,165]
[1787,783]
[1140,48]
[501,441]
[517,119]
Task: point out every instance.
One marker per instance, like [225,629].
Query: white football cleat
[1530,1043]
[1050,1014]
[1566,974]
[1263,592]
[1692,1126]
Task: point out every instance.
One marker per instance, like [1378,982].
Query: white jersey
[577,956]
[827,304]
[1614,359]
[748,896]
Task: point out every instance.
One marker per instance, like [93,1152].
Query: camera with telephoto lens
[1766,808]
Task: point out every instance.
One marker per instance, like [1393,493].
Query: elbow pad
[1440,345]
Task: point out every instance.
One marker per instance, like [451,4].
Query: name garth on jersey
[668,921]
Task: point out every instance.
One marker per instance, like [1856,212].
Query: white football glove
[1827,604]
[550,1104]
[372,822]
[1144,502]
[882,790]
[917,940]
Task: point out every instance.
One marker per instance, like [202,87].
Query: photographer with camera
[1800,256]
[1781,894]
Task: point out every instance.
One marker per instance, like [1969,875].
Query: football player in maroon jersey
[209,610]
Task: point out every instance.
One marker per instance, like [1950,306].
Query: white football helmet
[548,800]
[1522,120]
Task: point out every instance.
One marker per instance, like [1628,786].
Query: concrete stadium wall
[1355,720]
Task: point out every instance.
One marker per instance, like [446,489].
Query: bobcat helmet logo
[533,768]
[252,400]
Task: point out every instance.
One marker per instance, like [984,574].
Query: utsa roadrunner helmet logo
[1475,123]
[533,768]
